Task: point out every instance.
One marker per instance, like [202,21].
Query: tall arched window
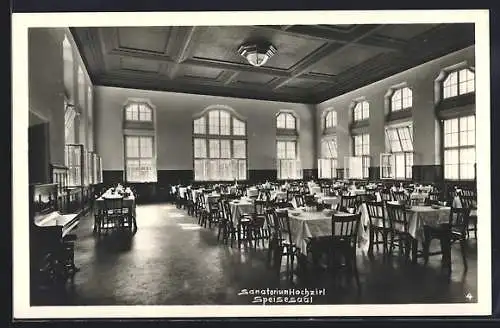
[219,147]
[361,111]
[458,82]
[401,98]
[140,146]
[287,150]
[330,120]
[327,164]
[285,121]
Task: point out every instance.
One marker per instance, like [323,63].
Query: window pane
[281,149]
[214,148]
[200,126]
[213,122]
[225,124]
[238,127]
[409,165]
[290,150]
[144,112]
[146,147]
[239,149]
[366,110]
[225,149]
[200,169]
[281,121]
[400,165]
[200,148]
[290,121]
[242,170]
[132,146]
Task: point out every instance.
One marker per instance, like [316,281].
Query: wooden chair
[400,196]
[470,202]
[112,214]
[348,203]
[343,243]
[379,225]
[454,231]
[283,244]
[400,235]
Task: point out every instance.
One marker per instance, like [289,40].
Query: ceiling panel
[346,58]
[396,31]
[222,43]
[313,63]
[148,39]
[134,64]
[199,72]
[254,78]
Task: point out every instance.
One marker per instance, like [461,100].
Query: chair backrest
[213,204]
[459,220]
[260,206]
[345,227]
[468,192]
[113,205]
[377,215]
[385,195]
[227,211]
[434,196]
[397,217]
[468,201]
[299,200]
[399,195]
[282,225]
[270,221]
[310,200]
[283,204]
[348,202]
[264,195]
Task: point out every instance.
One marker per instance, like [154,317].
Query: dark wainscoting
[374,172]
[112,177]
[255,176]
[428,173]
[174,177]
[310,174]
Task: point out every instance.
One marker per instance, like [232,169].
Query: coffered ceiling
[313,62]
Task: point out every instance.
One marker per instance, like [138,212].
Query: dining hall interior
[189,165]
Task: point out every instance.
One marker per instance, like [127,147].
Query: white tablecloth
[128,202]
[278,195]
[315,224]
[315,190]
[333,201]
[239,208]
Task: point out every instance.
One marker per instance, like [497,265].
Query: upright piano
[51,241]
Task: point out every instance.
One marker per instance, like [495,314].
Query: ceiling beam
[231,78]
[361,32]
[331,35]
[184,51]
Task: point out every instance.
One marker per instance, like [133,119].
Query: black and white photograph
[251,164]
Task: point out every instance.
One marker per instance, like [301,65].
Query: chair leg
[370,247]
[463,248]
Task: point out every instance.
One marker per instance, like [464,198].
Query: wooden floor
[173,261]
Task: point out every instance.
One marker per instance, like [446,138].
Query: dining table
[306,224]
[128,201]
[422,215]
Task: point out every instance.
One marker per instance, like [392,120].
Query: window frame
[332,159]
[393,154]
[400,89]
[282,163]
[364,111]
[236,162]
[330,117]
[139,104]
[287,114]
[154,168]
[366,158]
[457,71]
[458,148]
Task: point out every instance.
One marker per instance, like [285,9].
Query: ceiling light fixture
[257,54]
